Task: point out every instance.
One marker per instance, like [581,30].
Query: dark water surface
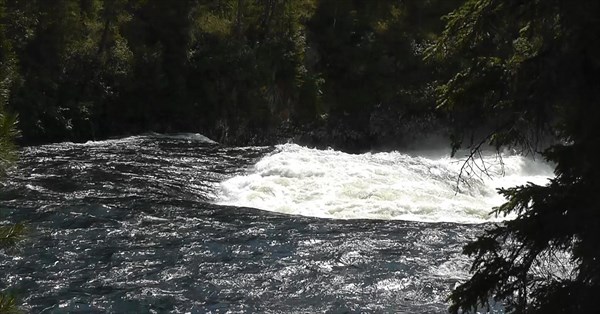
[127,226]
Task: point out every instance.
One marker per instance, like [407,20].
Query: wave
[195,137]
[391,185]
[185,136]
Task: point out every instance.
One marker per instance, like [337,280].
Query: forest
[353,75]
[241,72]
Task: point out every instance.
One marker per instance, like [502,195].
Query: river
[179,224]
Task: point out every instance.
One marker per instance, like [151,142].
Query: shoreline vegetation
[346,74]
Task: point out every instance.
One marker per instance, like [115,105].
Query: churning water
[172,224]
[331,184]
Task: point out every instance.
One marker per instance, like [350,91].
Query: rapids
[179,224]
[331,184]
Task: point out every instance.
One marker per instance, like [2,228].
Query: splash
[392,186]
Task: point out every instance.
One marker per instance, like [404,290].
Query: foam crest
[331,184]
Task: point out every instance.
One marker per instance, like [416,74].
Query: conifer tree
[526,69]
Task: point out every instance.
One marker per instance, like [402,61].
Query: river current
[179,224]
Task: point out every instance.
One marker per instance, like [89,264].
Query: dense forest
[340,73]
[357,75]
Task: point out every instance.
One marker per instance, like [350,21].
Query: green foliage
[370,54]
[10,235]
[525,69]
[8,304]
[8,131]
[95,68]
[499,49]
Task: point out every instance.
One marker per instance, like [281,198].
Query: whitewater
[302,181]
[176,223]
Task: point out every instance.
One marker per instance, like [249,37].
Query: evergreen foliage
[525,69]
[227,68]
[8,304]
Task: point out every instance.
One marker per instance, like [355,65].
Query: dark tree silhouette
[525,69]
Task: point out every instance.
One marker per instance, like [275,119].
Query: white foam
[196,137]
[331,184]
[187,136]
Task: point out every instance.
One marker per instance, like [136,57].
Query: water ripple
[126,226]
